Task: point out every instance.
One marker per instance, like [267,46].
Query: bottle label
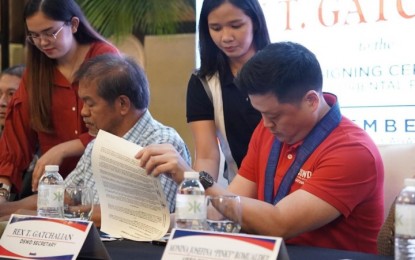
[405,219]
[190,207]
[50,196]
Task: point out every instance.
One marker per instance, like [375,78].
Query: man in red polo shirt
[310,175]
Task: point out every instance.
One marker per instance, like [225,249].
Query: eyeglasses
[34,38]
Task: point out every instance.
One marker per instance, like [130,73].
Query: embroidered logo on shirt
[303,176]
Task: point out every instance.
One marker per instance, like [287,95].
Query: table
[126,249]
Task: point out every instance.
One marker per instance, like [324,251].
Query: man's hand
[163,158]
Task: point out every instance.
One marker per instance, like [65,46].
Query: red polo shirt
[345,170]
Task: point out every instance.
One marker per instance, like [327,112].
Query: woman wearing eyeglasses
[45,111]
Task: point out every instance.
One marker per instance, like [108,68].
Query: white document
[133,204]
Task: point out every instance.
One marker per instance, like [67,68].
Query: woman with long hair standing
[45,110]
[230,33]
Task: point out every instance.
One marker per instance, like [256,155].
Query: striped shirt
[145,132]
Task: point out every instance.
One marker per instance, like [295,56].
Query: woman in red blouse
[45,111]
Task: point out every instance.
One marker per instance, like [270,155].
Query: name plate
[189,244]
[33,237]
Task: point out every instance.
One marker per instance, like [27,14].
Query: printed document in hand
[133,204]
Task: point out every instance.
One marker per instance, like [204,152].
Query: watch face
[206,179]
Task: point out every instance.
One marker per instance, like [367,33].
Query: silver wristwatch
[4,190]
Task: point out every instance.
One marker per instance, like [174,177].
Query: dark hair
[212,59]
[16,70]
[41,68]
[286,69]
[116,76]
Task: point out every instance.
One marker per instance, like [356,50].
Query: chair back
[399,163]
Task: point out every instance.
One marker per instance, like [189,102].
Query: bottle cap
[52,168]
[409,182]
[191,175]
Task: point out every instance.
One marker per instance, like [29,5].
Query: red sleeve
[347,158]
[345,166]
[250,164]
[18,141]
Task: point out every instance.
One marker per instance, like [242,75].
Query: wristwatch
[4,190]
[206,180]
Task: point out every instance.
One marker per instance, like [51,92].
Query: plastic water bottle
[405,222]
[190,203]
[50,193]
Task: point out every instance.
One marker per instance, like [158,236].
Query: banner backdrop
[366,51]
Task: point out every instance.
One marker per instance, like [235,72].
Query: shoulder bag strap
[213,90]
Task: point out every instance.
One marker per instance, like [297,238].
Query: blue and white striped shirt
[145,132]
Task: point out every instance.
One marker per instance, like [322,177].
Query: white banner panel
[366,51]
